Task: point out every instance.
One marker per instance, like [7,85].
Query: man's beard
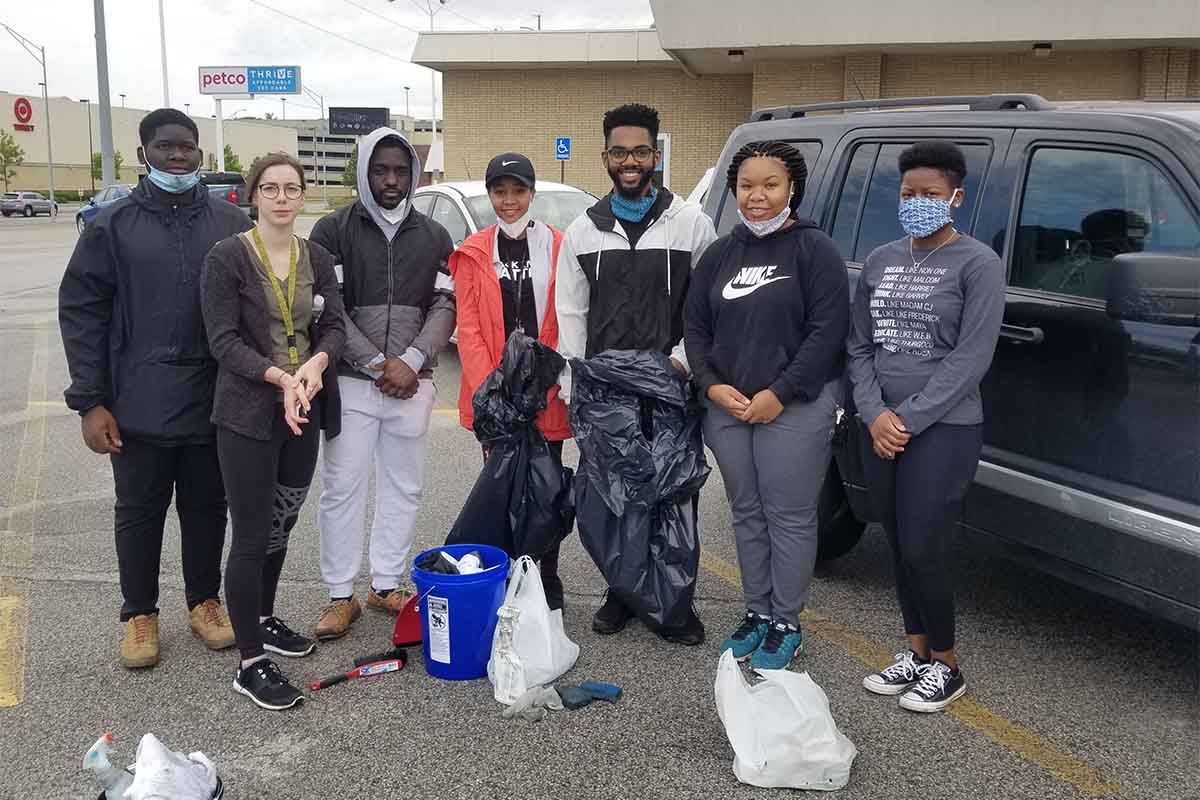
[635,193]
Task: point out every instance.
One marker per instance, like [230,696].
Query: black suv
[1091,460]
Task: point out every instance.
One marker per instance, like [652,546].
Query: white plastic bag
[781,730]
[162,774]
[541,643]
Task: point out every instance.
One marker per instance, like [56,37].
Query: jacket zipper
[387,328]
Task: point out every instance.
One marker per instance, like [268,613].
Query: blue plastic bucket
[458,613]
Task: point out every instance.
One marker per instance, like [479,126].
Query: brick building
[707,64]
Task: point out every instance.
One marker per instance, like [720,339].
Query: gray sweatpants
[773,475]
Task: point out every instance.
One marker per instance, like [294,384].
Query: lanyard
[285,303]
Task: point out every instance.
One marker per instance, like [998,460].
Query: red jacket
[481,326]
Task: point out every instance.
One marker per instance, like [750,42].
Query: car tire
[6,213]
[28,211]
[80,225]
[838,529]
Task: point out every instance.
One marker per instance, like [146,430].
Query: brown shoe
[337,618]
[392,603]
[210,622]
[139,647]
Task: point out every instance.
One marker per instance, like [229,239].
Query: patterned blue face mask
[924,216]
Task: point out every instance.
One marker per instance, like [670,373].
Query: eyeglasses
[292,191]
[641,154]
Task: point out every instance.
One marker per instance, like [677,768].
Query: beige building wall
[491,111]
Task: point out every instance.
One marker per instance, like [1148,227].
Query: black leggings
[266,483]
[918,497]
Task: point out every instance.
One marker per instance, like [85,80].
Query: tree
[232,162]
[350,176]
[98,167]
[11,157]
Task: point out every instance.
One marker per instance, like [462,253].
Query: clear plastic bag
[781,730]
[163,774]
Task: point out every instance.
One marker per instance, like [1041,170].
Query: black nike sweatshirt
[770,313]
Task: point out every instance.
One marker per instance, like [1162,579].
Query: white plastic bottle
[114,781]
[509,673]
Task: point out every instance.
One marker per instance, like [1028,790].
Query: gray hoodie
[366,149]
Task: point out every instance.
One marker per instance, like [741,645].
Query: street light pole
[122,101]
[283,104]
[106,137]
[87,104]
[407,108]
[325,135]
[40,57]
[162,38]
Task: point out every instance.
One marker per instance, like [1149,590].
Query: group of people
[210,357]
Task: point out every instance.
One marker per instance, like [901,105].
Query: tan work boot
[337,618]
[392,604]
[210,622]
[139,647]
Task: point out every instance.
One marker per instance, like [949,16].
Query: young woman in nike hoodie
[765,327]
[504,282]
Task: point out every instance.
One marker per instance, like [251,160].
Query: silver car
[27,204]
[464,208]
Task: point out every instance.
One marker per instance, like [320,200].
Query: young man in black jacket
[623,273]
[142,376]
[400,312]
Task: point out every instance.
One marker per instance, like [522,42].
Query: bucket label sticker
[439,629]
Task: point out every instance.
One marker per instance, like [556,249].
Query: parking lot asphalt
[1070,695]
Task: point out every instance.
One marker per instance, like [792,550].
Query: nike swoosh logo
[508,163]
[730,292]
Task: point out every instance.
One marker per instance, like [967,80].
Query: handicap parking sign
[562,148]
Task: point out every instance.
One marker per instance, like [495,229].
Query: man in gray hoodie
[399,300]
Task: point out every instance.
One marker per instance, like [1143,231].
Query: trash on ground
[163,774]
[534,705]
[637,424]
[532,640]
[608,692]
[574,697]
[522,501]
[395,663]
[113,780]
[781,729]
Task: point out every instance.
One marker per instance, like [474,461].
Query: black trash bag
[522,501]
[637,424]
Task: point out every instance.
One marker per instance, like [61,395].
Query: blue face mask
[172,182]
[924,216]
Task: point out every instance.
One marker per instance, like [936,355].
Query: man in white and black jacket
[623,274]
[400,313]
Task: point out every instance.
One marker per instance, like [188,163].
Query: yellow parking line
[1015,738]
[12,656]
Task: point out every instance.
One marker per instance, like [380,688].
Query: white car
[463,207]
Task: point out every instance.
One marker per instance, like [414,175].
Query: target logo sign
[23,110]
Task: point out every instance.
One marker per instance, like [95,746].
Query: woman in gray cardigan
[274,352]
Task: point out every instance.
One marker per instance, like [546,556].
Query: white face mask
[394,215]
[515,230]
[767,226]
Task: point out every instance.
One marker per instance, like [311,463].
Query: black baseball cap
[510,165]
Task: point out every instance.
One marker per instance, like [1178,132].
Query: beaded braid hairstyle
[790,156]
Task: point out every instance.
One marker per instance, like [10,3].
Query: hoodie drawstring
[667,220]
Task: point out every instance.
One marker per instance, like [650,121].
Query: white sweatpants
[389,434]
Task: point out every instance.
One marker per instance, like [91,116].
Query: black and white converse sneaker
[939,687]
[279,638]
[899,677]
[263,683]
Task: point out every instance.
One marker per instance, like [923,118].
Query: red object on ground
[407,632]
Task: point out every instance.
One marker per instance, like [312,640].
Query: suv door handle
[1018,333]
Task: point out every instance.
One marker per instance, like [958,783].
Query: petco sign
[249,80]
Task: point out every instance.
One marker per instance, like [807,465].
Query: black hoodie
[770,313]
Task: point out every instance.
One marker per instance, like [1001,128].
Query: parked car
[699,193]
[463,207]
[100,201]
[27,204]
[231,187]
[1091,460]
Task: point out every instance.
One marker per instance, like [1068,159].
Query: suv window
[1080,208]
[862,224]
[424,202]
[446,213]
[728,214]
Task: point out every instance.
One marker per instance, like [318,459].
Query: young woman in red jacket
[504,282]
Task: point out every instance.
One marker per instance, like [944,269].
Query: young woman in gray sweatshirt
[924,324]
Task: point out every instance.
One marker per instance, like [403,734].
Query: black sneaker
[939,687]
[612,617]
[263,683]
[689,634]
[552,585]
[899,677]
[279,638]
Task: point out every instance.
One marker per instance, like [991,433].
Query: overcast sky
[237,32]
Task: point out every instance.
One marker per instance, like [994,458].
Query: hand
[295,403]
[765,407]
[100,431]
[679,367]
[310,374]
[398,379]
[888,435]
[728,398]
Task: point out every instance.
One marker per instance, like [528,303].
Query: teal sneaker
[749,635]
[782,644]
